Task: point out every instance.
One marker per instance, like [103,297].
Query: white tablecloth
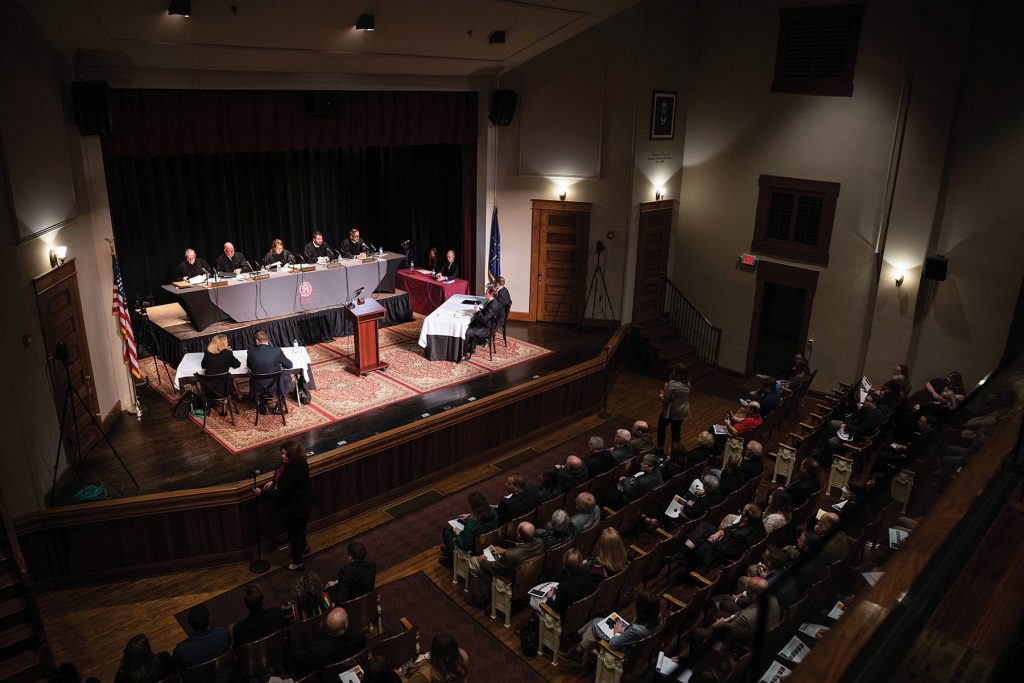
[191,363]
[451,318]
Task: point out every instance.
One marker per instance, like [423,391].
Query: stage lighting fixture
[180,7]
[365,22]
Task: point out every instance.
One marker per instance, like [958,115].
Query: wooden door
[60,315]
[561,237]
[651,259]
[782,316]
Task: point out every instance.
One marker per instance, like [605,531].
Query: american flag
[124,321]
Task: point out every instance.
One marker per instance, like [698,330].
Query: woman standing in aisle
[675,406]
[293,492]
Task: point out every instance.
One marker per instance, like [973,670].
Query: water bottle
[412,264]
[295,344]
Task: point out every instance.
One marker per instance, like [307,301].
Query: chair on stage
[217,390]
[504,324]
[265,389]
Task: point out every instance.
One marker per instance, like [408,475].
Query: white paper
[665,665]
[353,675]
[489,553]
[872,577]
[812,630]
[897,536]
[421,271]
[675,507]
[457,525]
[541,590]
[197,279]
[697,486]
[795,650]
[838,507]
[606,629]
[720,429]
[775,673]
[843,435]
[837,610]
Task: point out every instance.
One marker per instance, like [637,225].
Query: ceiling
[130,39]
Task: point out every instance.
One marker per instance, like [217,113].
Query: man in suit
[266,358]
[205,643]
[192,265]
[752,462]
[622,447]
[706,546]
[339,642]
[482,322]
[642,440]
[354,245]
[449,269]
[317,249]
[518,500]
[507,561]
[741,626]
[573,473]
[231,261]
[356,578]
[860,424]
[600,459]
[260,622]
[635,486]
[501,293]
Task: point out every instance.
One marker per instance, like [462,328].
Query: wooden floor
[89,626]
[167,454]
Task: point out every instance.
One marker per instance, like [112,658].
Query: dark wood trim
[789,276]
[658,205]
[817,254]
[538,205]
[556,205]
[520,315]
[55,276]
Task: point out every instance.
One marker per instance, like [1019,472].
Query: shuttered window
[817,49]
[794,218]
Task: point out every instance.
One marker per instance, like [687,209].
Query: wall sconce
[899,279]
[659,194]
[561,195]
[58,255]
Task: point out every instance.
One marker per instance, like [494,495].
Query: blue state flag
[494,256]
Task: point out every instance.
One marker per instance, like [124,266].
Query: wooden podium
[365,317]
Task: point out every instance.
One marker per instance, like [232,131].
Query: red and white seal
[306,289]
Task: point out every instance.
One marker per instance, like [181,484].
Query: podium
[365,317]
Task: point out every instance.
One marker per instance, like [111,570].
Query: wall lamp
[899,279]
[659,194]
[58,255]
[365,22]
[180,7]
[561,195]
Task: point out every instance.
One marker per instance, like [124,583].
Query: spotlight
[180,7]
[899,279]
[497,38]
[365,22]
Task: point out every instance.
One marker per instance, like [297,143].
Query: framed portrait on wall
[663,115]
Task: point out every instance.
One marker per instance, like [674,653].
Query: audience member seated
[773,561]
[549,487]
[731,478]
[900,382]
[674,463]
[642,440]
[800,374]
[744,421]
[704,450]
[934,387]
[260,622]
[356,578]
[378,670]
[860,424]
[905,438]
[806,483]
[339,642]
[482,570]
[975,431]
[558,530]
[708,495]
[205,643]
[646,622]
[600,459]
[622,446]
[752,462]
[481,519]
[518,500]
[776,515]
[867,502]
[311,599]
[814,568]
[588,514]
[573,473]
[706,547]
[768,396]
[446,662]
[609,555]
[635,486]
[741,626]
[574,582]
[838,545]
[141,665]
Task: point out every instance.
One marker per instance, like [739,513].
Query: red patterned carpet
[340,394]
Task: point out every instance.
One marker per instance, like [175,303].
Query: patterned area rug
[341,395]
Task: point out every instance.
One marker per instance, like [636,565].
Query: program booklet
[457,525]
[353,675]
[608,625]
[541,590]
[675,507]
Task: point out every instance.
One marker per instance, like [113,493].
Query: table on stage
[443,336]
[191,363]
[283,293]
[426,293]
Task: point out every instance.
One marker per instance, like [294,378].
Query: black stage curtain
[197,169]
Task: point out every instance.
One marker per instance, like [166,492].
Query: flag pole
[136,407]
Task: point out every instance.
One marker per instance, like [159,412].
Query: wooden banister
[692,325]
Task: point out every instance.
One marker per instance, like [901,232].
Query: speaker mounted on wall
[935,267]
[503,107]
[91,102]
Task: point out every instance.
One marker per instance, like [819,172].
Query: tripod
[70,396]
[592,290]
[153,346]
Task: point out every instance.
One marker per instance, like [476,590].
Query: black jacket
[572,585]
[187,270]
[228,265]
[350,248]
[354,579]
[752,467]
[219,363]
[265,359]
[567,479]
[600,462]
[293,492]
[285,257]
[449,270]
[516,505]
[256,626]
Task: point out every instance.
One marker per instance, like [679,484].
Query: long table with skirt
[443,336]
[426,293]
[191,363]
[284,292]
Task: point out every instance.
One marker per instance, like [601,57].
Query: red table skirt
[426,293]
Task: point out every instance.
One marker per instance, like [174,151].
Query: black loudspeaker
[324,103]
[91,100]
[935,267]
[503,107]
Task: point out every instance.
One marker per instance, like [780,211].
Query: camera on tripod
[599,249]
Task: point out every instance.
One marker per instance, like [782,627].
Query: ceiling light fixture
[365,22]
[180,7]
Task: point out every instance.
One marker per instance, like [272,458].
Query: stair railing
[698,332]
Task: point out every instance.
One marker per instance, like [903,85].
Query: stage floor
[169,454]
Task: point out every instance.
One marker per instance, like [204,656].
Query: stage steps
[668,348]
[24,654]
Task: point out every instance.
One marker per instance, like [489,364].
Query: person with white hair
[600,459]
[635,486]
[192,265]
[622,448]
[558,530]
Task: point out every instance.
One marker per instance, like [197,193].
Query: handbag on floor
[529,637]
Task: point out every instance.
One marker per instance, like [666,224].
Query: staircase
[680,335]
[24,654]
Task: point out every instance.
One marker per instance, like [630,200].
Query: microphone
[248,265]
[291,259]
[330,251]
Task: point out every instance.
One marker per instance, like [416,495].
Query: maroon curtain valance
[170,122]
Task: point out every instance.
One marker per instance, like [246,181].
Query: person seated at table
[432,260]
[317,249]
[482,322]
[267,358]
[501,293]
[192,265]
[231,261]
[278,254]
[449,270]
[354,245]
[218,357]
